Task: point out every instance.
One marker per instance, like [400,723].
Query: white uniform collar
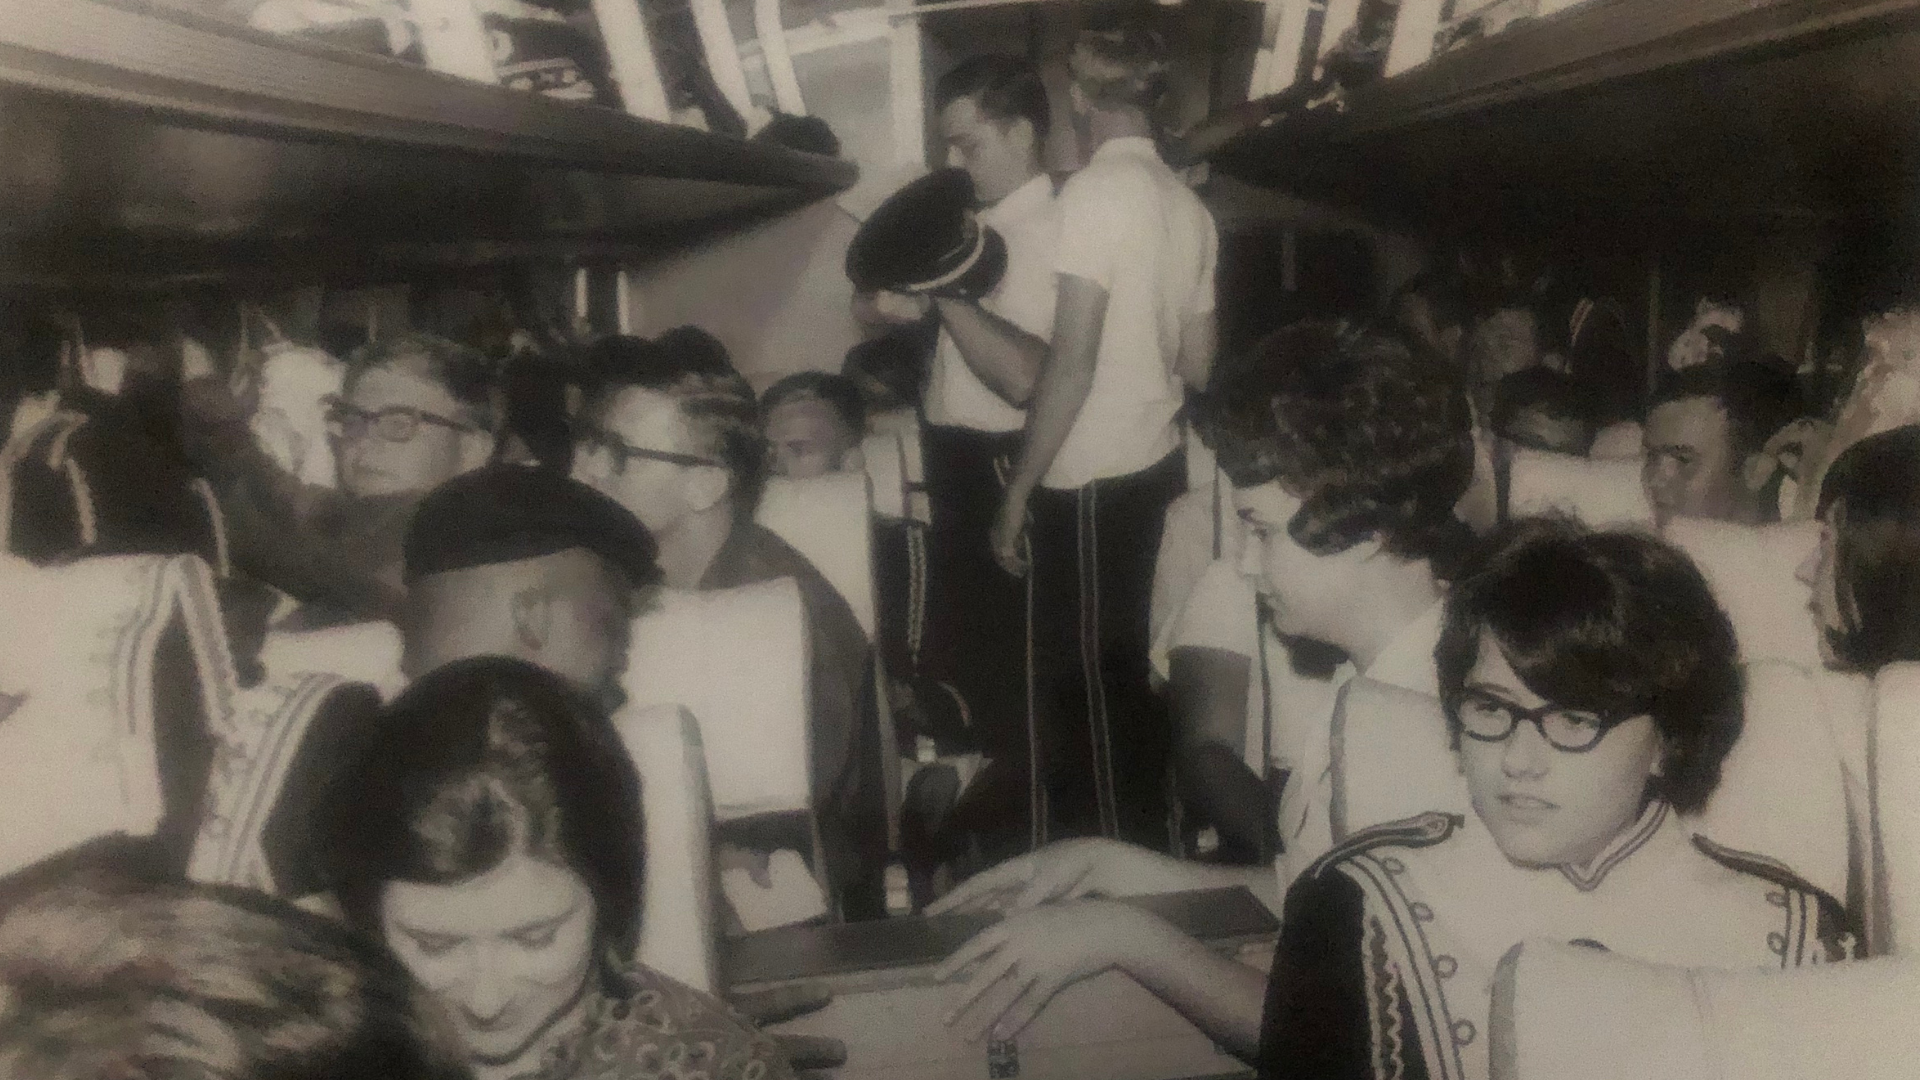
[1021,201]
[1588,876]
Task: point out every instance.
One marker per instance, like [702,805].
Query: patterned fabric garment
[657,1029]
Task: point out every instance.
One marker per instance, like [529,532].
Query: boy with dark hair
[1347,451]
[1544,409]
[1706,440]
[814,424]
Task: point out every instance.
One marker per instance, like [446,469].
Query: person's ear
[533,618]
[1758,471]
[706,486]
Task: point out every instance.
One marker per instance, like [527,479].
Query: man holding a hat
[1133,328]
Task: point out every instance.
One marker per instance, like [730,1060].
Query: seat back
[88,701]
[677,930]
[1895,765]
[1751,570]
[361,652]
[885,457]
[737,660]
[829,519]
[1599,493]
[1562,1012]
[1391,758]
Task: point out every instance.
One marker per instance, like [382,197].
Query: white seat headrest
[1391,758]
[886,466]
[829,519]
[1896,793]
[1751,570]
[1599,493]
[677,932]
[359,652]
[1563,1012]
[737,659]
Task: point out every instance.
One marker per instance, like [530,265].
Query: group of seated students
[1466,730]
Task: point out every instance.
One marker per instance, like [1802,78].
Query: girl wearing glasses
[1592,691]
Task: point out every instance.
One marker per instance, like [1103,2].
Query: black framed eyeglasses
[590,439]
[1490,718]
[394,424]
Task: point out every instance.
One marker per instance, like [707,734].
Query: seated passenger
[1706,441]
[814,423]
[158,982]
[1347,450]
[1865,575]
[678,443]
[488,831]
[1593,692]
[417,412]
[1545,410]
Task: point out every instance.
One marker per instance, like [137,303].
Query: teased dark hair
[1759,397]
[691,366]
[1004,88]
[1373,437]
[1613,622]
[178,982]
[1871,498]
[465,372]
[478,761]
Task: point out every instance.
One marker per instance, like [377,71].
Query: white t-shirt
[1130,226]
[1028,219]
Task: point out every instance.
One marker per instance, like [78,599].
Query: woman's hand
[1019,964]
[1067,870]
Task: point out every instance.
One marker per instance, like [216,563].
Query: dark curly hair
[476,762]
[692,367]
[1373,437]
[1612,622]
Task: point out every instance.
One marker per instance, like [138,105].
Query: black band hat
[926,239]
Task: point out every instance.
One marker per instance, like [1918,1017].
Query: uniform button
[1393,865]
[1421,911]
[1445,966]
[1463,1032]
[1778,943]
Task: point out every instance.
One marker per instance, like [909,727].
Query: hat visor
[986,272]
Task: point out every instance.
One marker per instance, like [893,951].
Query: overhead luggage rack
[146,144]
[1735,109]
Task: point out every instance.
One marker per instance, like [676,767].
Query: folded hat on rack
[925,238]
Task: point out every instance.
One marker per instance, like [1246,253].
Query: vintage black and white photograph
[959,539]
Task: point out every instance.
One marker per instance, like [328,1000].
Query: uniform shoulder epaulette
[1420,830]
[1833,913]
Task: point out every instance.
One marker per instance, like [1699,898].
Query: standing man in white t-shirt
[1133,328]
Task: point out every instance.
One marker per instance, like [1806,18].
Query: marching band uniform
[1389,944]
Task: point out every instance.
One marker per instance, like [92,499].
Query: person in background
[1592,690]
[1865,574]
[100,978]
[488,831]
[1707,437]
[677,442]
[1545,410]
[1348,449]
[814,423]
[1507,336]
[417,412]
[1100,463]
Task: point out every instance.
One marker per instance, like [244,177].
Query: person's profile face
[507,953]
[807,438]
[1503,343]
[1691,467]
[370,465]
[1546,806]
[999,157]
[653,491]
[1311,595]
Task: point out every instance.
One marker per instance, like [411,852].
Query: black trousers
[1105,737]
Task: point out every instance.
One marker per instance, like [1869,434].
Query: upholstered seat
[829,519]
[1599,493]
[677,931]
